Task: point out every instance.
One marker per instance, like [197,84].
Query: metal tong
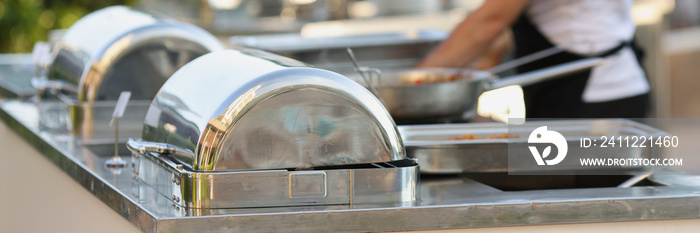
[368,75]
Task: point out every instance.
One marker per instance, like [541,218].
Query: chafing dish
[246,128]
[109,51]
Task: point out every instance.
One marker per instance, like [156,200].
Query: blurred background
[669,30]
[24,22]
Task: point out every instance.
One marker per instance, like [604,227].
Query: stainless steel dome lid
[248,109]
[120,49]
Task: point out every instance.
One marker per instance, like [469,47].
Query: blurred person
[617,88]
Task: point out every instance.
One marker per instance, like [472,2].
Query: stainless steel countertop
[16,71]
[445,203]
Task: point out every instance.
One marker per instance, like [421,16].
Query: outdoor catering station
[312,116]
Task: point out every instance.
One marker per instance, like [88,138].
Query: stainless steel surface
[286,43]
[437,151]
[248,109]
[142,147]
[637,178]
[381,50]
[274,188]
[670,177]
[113,50]
[90,120]
[16,71]
[60,86]
[445,204]
[451,99]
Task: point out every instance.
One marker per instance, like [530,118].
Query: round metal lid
[248,109]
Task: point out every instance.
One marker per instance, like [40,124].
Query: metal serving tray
[437,151]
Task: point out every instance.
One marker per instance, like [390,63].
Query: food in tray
[425,77]
[503,135]
[497,136]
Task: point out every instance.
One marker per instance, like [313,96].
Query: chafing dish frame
[389,182]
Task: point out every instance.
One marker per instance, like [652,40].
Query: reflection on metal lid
[119,49]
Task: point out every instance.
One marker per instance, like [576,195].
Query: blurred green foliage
[23,22]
